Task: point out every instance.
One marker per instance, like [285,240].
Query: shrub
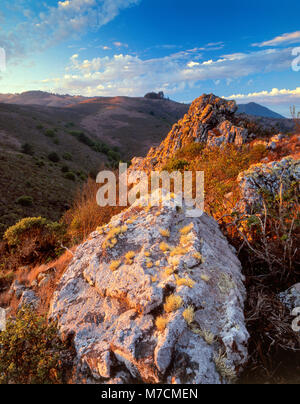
[65,169]
[70,176]
[14,234]
[33,239]
[27,149]
[67,156]
[30,351]
[54,157]
[176,165]
[25,200]
[50,133]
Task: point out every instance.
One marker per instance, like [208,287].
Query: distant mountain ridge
[258,110]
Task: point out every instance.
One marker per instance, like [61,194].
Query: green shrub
[176,165]
[25,200]
[50,133]
[67,156]
[54,157]
[34,225]
[70,176]
[27,149]
[30,351]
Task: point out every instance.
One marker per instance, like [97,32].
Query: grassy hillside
[47,153]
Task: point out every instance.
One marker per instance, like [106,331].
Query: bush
[65,169]
[31,351]
[67,156]
[25,201]
[176,165]
[27,149]
[70,176]
[50,133]
[32,240]
[54,157]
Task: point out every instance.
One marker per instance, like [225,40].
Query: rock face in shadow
[209,121]
[149,264]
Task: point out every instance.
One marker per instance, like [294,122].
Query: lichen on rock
[112,315]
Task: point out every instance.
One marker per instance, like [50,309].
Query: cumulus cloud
[67,19]
[289,38]
[130,75]
[275,96]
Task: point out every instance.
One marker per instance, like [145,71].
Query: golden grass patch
[189,314]
[115,265]
[161,323]
[173,303]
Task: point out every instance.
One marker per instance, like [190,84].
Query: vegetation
[25,200]
[189,315]
[173,303]
[31,240]
[54,157]
[222,167]
[31,351]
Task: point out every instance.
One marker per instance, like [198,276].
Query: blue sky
[249,51]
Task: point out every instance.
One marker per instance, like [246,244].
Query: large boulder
[154,297]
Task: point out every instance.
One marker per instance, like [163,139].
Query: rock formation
[154,297]
[209,120]
[272,178]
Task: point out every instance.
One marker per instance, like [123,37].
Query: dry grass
[173,303]
[115,265]
[164,247]
[179,251]
[164,233]
[161,323]
[85,215]
[189,315]
[129,256]
[225,371]
[185,282]
[187,229]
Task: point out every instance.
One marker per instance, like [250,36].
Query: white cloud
[125,74]
[58,23]
[293,37]
[274,97]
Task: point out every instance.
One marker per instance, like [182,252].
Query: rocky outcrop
[209,120]
[291,297]
[271,178]
[154,297]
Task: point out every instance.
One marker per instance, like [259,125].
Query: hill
[81,138]
[257,110]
